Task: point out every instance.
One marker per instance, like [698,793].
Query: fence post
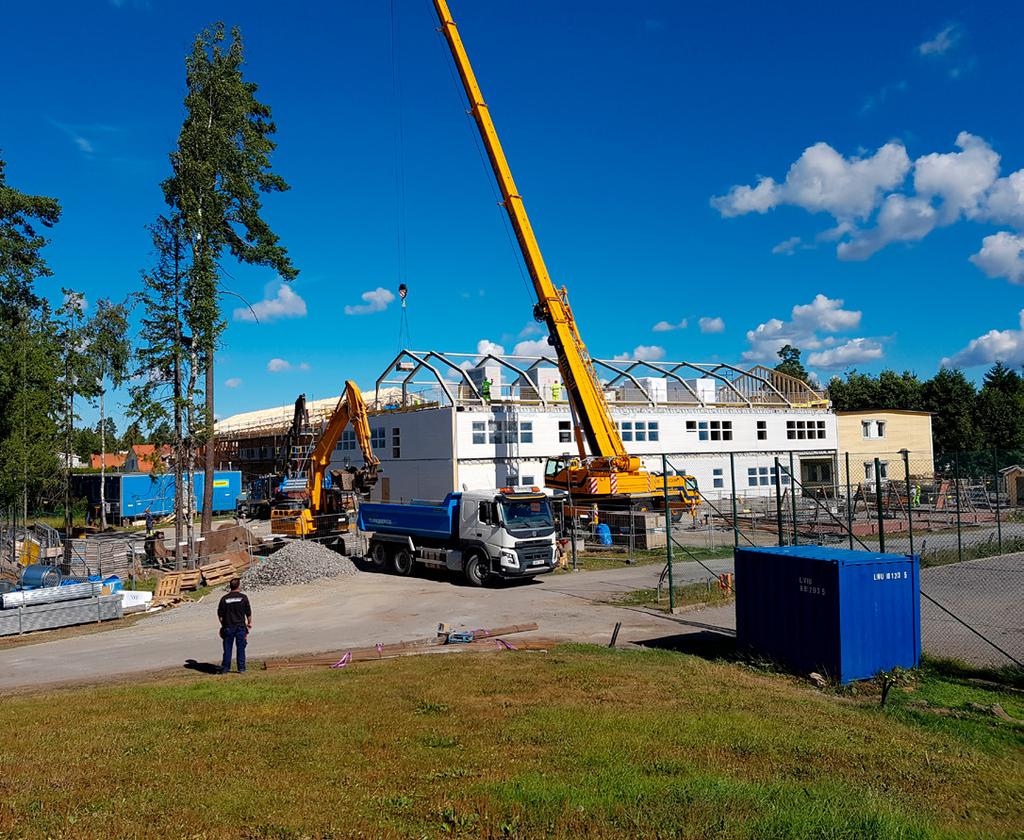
[792,497]
[995,479]
[910,498]
[878,505]
[849,502]
[778,502]
[956,485]
[668,533]
[735,521]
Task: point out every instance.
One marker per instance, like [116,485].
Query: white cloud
[533,347]
[276,365]
[284,303]
[375,300]
[959,179]
[821,315]
[942,43]
[853,352]
[869,214]
[823,180]
[233,382]
[643,353]
[666,326]
[712,325]
[1002,255]
[787,246]
[485,346]
[532,328]
[1005,346]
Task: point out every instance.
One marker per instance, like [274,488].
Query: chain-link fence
[963,514]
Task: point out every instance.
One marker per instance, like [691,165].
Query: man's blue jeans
[238,636]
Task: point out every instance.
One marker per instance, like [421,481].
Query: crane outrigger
[609,476]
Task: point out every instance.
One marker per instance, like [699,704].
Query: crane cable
[401,214]
[460,95]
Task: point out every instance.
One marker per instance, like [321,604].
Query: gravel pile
[297,562]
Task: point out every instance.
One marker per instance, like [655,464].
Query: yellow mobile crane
[609,476]
[324,512]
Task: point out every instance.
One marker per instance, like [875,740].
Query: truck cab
[483,534]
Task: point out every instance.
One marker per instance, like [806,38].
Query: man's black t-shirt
[234,610]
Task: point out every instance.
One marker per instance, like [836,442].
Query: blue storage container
[845,614]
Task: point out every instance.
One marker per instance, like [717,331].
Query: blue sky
[629,130]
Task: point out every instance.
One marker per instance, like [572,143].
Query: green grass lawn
[578,742]
[595,560]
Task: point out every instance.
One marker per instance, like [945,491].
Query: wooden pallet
[167,586]
[217,573]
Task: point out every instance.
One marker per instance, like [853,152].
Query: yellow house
[867,435]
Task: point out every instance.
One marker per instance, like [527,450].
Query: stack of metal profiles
[57,606]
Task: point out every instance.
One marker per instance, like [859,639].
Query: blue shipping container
[845,614]
[156,492]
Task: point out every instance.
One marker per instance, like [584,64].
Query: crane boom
[585,393]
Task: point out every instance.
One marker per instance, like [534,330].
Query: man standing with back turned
[235,616]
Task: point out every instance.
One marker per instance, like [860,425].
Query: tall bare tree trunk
[103,466]
[207,525]
[179,444]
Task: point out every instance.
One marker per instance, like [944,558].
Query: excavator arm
[350,409]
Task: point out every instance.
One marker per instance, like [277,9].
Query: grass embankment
[596,560]
[578,742]
[702,593]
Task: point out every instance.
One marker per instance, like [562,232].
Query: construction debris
[298,562]
[443,642]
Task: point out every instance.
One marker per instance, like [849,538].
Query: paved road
[357,611]
[987,594]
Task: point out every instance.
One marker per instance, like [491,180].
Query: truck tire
[403,562]
[379,555]
[476,570]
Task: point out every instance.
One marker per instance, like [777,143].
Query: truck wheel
[476,570]
[379,555]
[403,562]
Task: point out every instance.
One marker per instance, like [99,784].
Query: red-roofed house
[142,457]
[112,461]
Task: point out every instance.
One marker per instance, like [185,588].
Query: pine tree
[221,167]
[791,365]
[28,376]
[110,349]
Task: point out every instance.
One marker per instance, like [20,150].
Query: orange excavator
[325,510]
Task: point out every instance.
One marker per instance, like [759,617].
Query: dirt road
[357,611]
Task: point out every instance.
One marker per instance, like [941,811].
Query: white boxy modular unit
[711,428]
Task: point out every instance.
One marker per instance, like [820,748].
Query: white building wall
[443,449]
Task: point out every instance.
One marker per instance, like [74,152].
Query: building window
[564,431]
[805,429]
[717,478]
[719,429]
[880,427]
[526,432]
[765,477]
[865,427]
[652,430]
[479,432]
[869,470]
[348,440]
[396,443]
[817,473]
[762,430]
[691,425]
[528,480]
[378,438]
[702,430]
[641,431]
[627,431]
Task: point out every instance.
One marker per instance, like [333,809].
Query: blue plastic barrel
[39,575]
[604,534]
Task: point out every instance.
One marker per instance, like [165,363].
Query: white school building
[453,421]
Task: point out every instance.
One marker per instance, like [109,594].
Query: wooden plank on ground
[191,579]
